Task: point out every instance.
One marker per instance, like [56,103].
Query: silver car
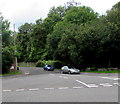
[65,69]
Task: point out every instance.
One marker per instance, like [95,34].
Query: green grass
[99,71]
[102,71]
[11,73]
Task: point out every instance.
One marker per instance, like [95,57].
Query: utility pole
[15,61]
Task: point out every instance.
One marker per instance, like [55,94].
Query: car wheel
[62,72]
[69,72]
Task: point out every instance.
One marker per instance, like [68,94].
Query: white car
[65,69]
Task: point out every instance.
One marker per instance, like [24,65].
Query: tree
[60,11]
[61,44]
[80,15]
[7,49]
[113,15]
[24,41]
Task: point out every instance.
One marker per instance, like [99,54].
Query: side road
[25,71]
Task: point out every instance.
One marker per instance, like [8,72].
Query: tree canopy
[73,34]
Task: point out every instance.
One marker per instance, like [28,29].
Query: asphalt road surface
[37,85]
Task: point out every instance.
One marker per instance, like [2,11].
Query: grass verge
[102,71]
[11,73]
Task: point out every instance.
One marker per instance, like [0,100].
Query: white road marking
[115,83]
[82,83]
[111,78]
[7,90]
[116,79]
[92,85]
[71,75]
[78,87]
[63,88]
[65,77]
[20,89]
[35,89]
[106,84]
[49,88]
[87,85]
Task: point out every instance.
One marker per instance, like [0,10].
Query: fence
[26,64]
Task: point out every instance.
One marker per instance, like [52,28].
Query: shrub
[40,63]
[54,63]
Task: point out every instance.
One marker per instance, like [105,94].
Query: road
[52,86]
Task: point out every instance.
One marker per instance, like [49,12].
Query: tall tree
[7,49]
[24,41]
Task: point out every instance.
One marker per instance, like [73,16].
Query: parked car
[48,67]
[66,69]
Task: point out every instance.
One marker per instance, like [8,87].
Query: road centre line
[35,89]
[20,89]
[63,88]
[49,88]
[7,90]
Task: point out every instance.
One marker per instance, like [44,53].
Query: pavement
[52,86]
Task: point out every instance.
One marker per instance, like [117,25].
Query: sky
[20,11]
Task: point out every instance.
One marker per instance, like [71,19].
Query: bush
[40,63]
[7,59]
[54,63]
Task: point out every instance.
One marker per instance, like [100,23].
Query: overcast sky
[20,11]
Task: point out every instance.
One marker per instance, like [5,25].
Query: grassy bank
[11,73]
[102,71]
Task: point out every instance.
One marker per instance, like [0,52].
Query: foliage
[7,59]
[54,63]
[74,35]
[79,15]
[40,63]
[7,48]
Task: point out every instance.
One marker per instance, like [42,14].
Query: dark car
[49,68]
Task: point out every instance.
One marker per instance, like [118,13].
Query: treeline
[75,35]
